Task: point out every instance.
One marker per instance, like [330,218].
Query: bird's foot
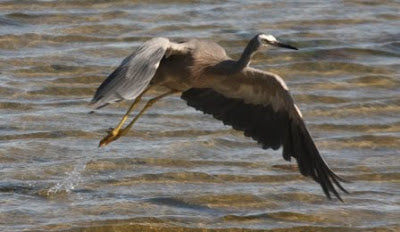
[112,135]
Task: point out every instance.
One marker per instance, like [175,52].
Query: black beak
[282,45]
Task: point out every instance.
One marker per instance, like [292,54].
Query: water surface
[181,170]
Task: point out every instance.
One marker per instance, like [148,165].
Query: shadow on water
[168,201]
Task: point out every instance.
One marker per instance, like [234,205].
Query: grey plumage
[133,75]
[250,100]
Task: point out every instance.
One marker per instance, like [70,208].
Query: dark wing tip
[311,162]
[97,105]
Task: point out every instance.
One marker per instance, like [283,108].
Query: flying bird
[248,99]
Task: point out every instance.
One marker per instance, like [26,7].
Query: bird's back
[183,71]
[206,55]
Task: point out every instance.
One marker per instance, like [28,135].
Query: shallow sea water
[181,170]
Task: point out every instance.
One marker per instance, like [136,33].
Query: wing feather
[260,105]
[133,75]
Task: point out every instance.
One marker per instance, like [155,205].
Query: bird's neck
[247,54]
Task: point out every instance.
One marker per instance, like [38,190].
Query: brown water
[180,170]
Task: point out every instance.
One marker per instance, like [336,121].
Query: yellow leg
[123,120]
[120,132]
[114,131]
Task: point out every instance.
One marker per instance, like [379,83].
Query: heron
[250,100]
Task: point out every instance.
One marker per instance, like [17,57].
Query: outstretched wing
[260,104]
[133,75]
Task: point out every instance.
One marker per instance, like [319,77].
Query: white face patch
[269,38]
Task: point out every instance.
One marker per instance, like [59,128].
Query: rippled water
[180,170]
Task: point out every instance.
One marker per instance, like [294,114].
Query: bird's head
[268,40]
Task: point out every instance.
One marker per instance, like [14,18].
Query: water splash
[69,183]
